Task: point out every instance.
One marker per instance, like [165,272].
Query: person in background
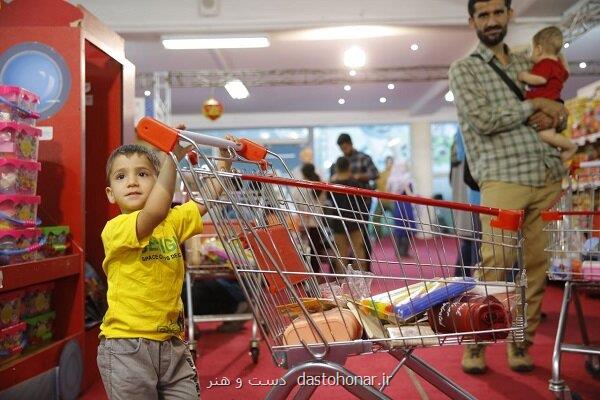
[363,170]
[467,223]
[306,156]
[144,268]
[514,168]
[347,234]
[546,79]
[401,182]
[362,167]
[311,201]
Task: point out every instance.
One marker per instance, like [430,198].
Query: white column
[421,157]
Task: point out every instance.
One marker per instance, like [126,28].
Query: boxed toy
[56,240]
[18,211]
[39,328]
[10,308]
[19,141]
[37,299]
[18,176]
[19,245]
[12,341]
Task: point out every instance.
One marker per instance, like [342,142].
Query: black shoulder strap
[509,82]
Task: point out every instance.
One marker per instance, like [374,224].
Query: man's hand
[224,152]
[540,121]
[552,109]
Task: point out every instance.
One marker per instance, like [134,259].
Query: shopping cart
[201,265]
[574,226]
[312,318]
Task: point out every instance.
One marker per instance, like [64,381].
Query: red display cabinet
[97,116]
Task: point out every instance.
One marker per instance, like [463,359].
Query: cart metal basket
[323,290]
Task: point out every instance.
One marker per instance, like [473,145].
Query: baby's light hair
[129,149]
[550,38]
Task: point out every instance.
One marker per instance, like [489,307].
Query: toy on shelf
[19,141]
[18,211]
[10,308]
[37,299]
[56,240]
[39,328]
[19,245]
[18,176]
[12,341]
[18,105]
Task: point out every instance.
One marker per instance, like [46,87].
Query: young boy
[547,78]
[141,353]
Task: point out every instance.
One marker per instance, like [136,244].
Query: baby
[546,79]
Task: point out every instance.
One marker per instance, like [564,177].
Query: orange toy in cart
[10,308]
[12,341]
[19,245]
[18,211]
[36,299]
[337,324]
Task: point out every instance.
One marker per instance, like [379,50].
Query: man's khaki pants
[497,260]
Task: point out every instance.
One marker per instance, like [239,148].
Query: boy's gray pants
[147,369]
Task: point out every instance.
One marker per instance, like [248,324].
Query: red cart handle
[165,138]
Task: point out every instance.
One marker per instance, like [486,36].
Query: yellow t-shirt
[145,276]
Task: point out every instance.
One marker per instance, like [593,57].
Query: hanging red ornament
[212,108]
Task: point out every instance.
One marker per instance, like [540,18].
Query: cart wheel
[592,366]
[254,351]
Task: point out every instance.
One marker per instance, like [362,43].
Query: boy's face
[131,181]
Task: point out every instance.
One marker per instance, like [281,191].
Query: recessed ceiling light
[347,88]
[449,96]
[582,65]
[355,57]
[382,100]
[352,72]
[566,45]
[414,47]
[185,43]
[391,86]
[237,89]
[265,135]
[341,101]
[147,93]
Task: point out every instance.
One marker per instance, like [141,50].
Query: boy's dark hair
[344,138]
[129,149]
[471,5]
[550,38]
[342,165]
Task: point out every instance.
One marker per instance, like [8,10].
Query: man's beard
[491,41]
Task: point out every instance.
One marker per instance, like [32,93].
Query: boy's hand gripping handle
[165,138]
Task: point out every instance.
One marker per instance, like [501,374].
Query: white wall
[420,130]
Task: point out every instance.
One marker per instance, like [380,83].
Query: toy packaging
[56,240]
[39,328]
[10,308]
[19,245]
[37,299]
[18,176]
[18,105]
[12,341]
[19,141]
[18,211]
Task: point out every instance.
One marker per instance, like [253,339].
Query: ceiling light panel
[189,43]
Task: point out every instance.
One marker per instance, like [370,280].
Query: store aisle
[225,355]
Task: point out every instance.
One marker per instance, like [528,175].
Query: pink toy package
[18,211]
[18,176]
[18,105]
[10,308]
[37,299]
[19,245]
[12,341]
[19,141]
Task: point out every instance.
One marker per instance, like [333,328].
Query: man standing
[514,168]
[363,170]
[361,165]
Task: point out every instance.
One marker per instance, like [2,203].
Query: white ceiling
[438,26]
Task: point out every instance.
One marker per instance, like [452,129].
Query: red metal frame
[71,182]
[505,219]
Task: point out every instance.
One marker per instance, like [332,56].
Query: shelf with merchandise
[583,140]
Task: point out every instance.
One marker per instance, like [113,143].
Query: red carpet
[226,356]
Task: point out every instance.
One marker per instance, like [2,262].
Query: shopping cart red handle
[165,138]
